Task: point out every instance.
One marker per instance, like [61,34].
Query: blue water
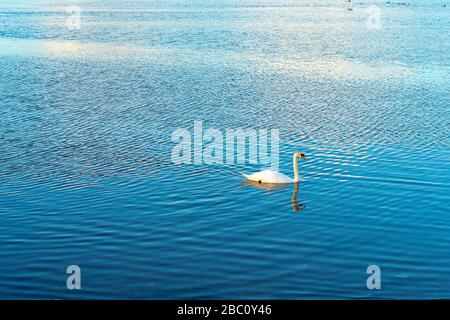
[86,178]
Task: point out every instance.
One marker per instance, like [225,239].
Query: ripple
[86,177]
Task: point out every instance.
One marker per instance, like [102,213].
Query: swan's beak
[302,155]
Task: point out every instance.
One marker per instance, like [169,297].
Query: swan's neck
[295,164]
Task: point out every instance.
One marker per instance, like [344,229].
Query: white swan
[270,176]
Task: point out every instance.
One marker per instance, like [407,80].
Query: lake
[86,122]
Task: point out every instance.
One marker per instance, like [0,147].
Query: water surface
[86,118]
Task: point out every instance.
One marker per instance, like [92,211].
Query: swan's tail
[246,176]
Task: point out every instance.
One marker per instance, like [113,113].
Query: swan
[270,176]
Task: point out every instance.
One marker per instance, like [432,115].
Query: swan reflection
[296,206]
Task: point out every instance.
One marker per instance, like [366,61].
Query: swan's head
[300,155]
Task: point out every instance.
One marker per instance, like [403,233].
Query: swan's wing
[268,176]
[275,177]
[257,176]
